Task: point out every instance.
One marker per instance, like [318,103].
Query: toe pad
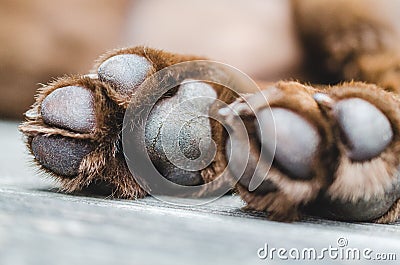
[70,107]
[61,155]
[124,72]
[366,130]
[296,140]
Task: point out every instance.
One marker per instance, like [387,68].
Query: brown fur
[350,39]
[391,216]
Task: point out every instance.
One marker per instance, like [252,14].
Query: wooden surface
[41,226]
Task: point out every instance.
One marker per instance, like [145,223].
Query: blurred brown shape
[41,39]
[256,36]
[350,39]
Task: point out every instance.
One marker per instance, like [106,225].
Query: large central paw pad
[175,128]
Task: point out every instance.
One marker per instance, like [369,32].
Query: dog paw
[365,121]
[332,152]
[74,128]
[289,145]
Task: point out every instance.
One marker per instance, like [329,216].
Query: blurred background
[41,39]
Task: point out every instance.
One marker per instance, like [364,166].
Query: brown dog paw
[74,128]
[332,152]
[289,145]
[365,120]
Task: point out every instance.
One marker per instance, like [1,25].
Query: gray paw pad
[124,72]
[70,107]
[297,140]
[59,154]
[366,130]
